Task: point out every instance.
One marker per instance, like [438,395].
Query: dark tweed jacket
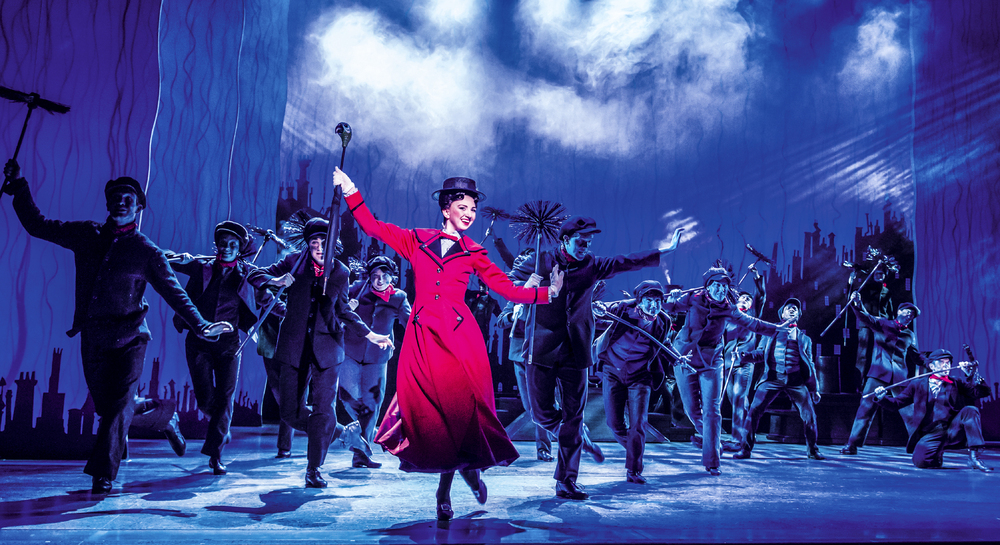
[112,271]
[380,316]
[959,393]
[329,314]
[200,274]
[564,328]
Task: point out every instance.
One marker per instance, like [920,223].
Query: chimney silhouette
[154,380]
[24,404]
[53,402]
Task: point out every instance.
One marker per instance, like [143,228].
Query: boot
[591,447]
[351,438]
[976,462]
[361,460]
[174,436]
[314,479]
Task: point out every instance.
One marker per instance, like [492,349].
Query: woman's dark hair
[447,197]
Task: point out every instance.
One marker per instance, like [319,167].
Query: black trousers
[564,419]
[766,393]
[627,411]
[362,392]
[215,370]
[153,414]
[319,423]
[272,368]
[542,439]
[964,430]
[112,376]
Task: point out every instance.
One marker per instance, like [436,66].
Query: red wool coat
[443,417]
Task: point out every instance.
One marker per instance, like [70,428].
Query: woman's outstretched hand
[343,181]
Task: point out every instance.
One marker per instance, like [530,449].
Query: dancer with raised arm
[443,417]
[114,263]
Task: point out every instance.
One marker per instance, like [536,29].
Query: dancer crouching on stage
[443,417]
[700,382]
[943,415]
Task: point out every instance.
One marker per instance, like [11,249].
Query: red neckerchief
[221,263]
[942,378]
[384,294]
[317,269]
[127,228]
[568,257]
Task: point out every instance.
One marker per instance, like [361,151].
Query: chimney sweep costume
[114,262]
[363,375]
[789,368]
[564,336]
[632,367]
[220,290]
[944,414]
[895,353]
[443,417]
[700,383]
[311,348]
[739,340]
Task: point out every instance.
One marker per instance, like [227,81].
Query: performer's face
[577,245]
[744,303]
[228,247]
[940,365]
[316,247]
[904,316]
[790,313]
[460,214]
[123,206]
[717,290]
[650,304]
[381,279]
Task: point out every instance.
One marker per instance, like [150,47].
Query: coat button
[437,296]
[438,283]
[439,269]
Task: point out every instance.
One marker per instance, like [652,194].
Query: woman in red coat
[443,417]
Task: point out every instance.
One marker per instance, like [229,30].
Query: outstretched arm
[400,240]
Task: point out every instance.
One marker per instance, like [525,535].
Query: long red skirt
[443,416]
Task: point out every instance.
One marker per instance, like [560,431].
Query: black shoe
[591,447]
[849,450]
[814,454]
[353,439]
[444,512]
[696,441]
[635,478]
[474,479]
[570,490]
[544,455]
[174,436]
[360,460]
[283,454]
[217,466]
[976,462]
[101,485]
[314,479]
[743,454]
[714,471]
[731,446]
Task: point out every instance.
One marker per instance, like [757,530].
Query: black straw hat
[459,184]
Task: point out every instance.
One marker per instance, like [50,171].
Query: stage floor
[778,496]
